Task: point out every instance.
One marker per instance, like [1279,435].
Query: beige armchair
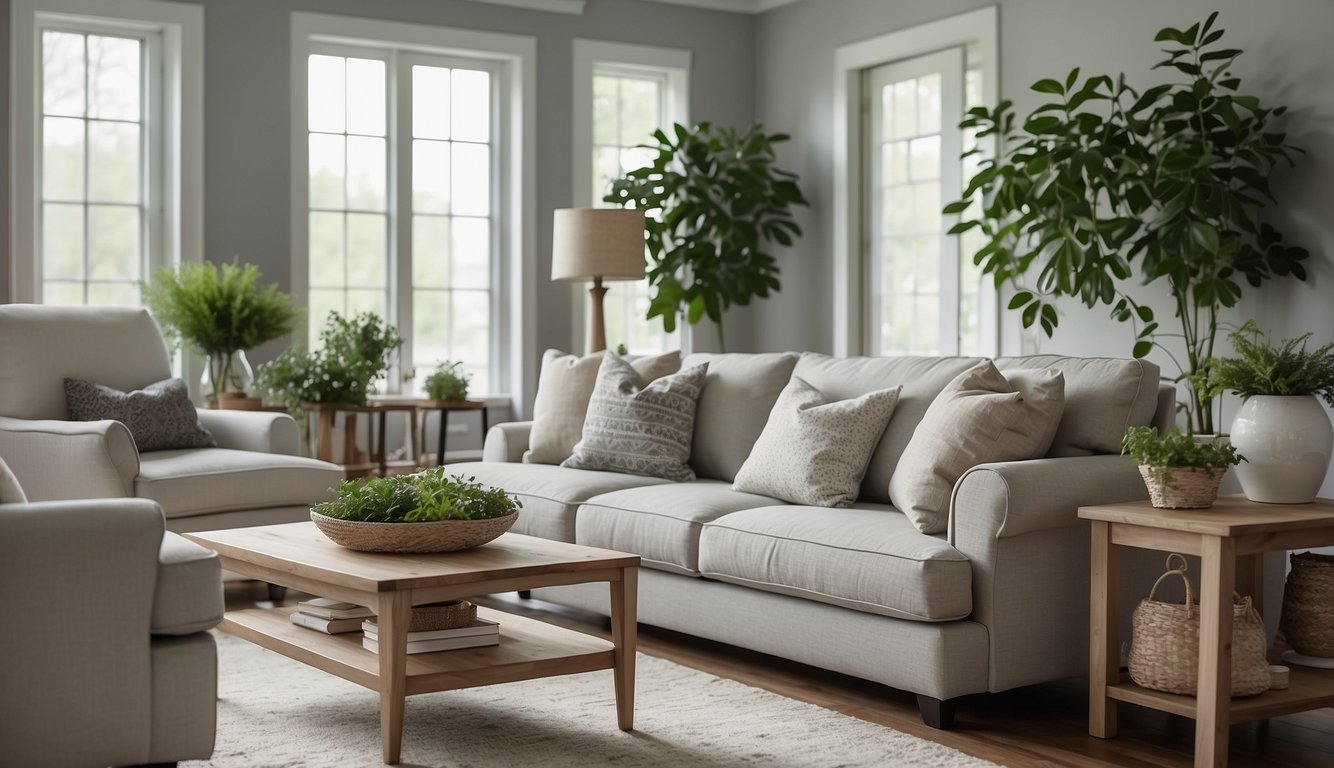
[105,656]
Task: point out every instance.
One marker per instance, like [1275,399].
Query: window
[407,207]
[100,199]
[623,94]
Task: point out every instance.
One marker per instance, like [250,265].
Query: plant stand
[445,407]
[356,462]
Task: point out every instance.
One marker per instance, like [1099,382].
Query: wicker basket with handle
[1165,642]
[1308,605]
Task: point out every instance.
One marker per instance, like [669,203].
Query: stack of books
[480,632]
[330,616]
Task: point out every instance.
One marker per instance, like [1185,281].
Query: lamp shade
[597,242]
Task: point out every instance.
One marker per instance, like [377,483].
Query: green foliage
[447,382]
[1173,177]
[1262,368]
[352,355]
[424,497]
[217,310]
[722,202]
[1177,449]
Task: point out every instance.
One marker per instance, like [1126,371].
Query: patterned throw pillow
[638,429]
[813,451]
[159,416]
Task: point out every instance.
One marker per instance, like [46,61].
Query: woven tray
[1308,605]
[1190,488]
[437,536]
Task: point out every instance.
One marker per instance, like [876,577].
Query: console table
[1231,538]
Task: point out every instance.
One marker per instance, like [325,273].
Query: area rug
[273,711]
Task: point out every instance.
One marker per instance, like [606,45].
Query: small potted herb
[447,382]
[1179,471]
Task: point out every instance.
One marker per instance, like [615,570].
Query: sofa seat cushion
[189,588]
[551,495]
[660,524]
[868,558]
[200,481]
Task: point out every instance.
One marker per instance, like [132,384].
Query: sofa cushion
[922,378]
[868,558]
[10,490]
[979,417]
[564,388]
[814,450]
[660,524]
[739,392]
[203,480]
[551,495]
[1103,396]
[160,416]
[188,597]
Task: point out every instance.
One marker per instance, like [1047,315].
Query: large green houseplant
[722,202]
[353,353]
[1104,180]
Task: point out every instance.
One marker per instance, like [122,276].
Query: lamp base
[597,331]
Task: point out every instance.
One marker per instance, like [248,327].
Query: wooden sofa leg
[935,712]
[525,594]
[276,593]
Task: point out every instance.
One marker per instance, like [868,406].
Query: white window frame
[175,186]
[515,57]
[976,28]
[672,65]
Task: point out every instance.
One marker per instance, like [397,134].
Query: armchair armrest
[55,459]
[507,442]
[263,431]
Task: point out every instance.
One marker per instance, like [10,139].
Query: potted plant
[447,382]
[220,311]
[1280,426]
[723,202]
[353,354]
[1179,471]
[424,512]
[1104,180]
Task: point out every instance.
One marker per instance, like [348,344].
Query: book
[480,627]
[327,626]
[372,644]
[325,608]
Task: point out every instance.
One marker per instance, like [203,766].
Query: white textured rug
[273,711]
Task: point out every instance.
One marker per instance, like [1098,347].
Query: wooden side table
[356,463]
[446,407]
[1231,539]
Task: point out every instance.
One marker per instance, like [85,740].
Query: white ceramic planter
[1286,441]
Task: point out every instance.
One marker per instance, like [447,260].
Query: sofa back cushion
[922,378]
[734,406]
[42,345]
[1103,396]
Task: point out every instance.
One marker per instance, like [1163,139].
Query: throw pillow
[564,387]
[159,416]
[636,428]
[813,451]
[979,417]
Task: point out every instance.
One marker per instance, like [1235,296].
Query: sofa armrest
[55,459]
[507,442]
[263,431]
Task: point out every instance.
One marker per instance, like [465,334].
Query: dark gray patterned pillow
[159,416]
[637,429]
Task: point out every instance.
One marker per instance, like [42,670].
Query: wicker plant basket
[1165,642]
[437,536]
[450,615]
[1189,488]
[1308,605]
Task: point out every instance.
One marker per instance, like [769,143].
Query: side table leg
[624,618]
[444,427]
[393,614]
[1104,630]
[1217,581]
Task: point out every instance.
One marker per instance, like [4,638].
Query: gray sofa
[998,601]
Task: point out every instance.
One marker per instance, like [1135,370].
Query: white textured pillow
[639,429]
[977,418]
[563,390]
[813,451]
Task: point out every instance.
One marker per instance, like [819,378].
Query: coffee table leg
[393,614]
[624,618]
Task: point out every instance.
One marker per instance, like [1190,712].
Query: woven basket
[436,536]
[1189,488]
[1165,643]
[1308,605]
[450,615]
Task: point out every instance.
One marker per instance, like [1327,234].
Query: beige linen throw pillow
[979,417]
[563,389]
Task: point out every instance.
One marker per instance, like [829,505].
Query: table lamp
[597,244]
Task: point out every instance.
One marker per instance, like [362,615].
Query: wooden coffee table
[297,555]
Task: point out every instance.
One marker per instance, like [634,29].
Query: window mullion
[401,210]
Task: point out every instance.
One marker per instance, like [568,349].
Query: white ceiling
[577,6]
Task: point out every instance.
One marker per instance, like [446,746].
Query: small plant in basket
[1179,471]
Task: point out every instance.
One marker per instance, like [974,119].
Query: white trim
[733,6]
[975,27]
[573,7]
[181,189]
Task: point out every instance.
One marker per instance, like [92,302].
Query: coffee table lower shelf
[1307,689]
[527,649]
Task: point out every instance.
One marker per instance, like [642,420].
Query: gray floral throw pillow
[159,416]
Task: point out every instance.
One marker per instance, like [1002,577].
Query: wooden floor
[1043,725]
